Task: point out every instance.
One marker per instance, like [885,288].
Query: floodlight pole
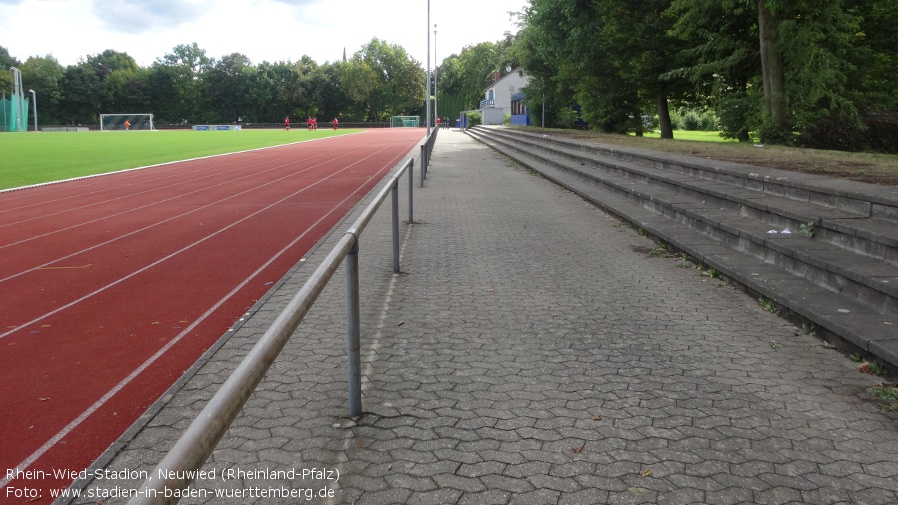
[428,68]
[34,103]
[436,75]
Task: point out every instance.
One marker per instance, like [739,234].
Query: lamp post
[34,103]
[428,68]
[436,74]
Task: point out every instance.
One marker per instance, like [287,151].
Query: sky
[263,30]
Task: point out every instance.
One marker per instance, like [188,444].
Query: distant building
[520,114]
[505,97]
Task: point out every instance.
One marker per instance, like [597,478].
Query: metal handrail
[426,149]
[197,443]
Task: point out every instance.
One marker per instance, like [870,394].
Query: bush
[738,114]
[474,118]
[882,131]
[693,120]
[832,132]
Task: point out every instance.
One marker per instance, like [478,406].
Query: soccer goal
[126,122]
[404,121]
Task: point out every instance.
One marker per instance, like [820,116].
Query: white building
[497,98]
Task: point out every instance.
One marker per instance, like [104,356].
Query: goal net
[404,121]
[126,122]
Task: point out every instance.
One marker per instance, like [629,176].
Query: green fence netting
[13,114]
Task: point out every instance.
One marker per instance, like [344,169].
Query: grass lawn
[33,158]
[700,136]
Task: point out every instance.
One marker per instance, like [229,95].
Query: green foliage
[876,368]
[807,229]
[838,60]
[384,80]
[886,393]
[608,56]
[889,394]
[768,305]
[6,61]
[474,118]
[737,114]
[693,119]
[808,328]
[186,86]
[451,106]
[464,76]
[45,74]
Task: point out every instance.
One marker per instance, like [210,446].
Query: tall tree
[45,76]
[269,92]
[82,93]
[384,80]
[463,77]
[6,61]
[185,73]
[720,58]
[614,54]
[773,73]
[229,83]
[333,97]
[549,92]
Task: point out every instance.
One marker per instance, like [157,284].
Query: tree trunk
[773,71]
[664,116]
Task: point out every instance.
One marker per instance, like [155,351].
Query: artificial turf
[34,158]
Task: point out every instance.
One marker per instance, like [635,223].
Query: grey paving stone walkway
[533,351]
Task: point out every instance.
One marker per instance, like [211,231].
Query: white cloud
[142,16]
[272,30]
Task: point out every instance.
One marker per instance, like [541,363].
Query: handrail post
[353,331]
[411,188]
[423,164]
[395,194]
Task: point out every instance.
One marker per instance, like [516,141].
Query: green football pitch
[34,158]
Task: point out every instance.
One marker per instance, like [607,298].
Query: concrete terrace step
[744,218]
[864,222]
[844,279]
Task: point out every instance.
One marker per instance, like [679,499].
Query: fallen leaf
[646,473]
[865,368]
[596,418]
[638,490]
[578,450]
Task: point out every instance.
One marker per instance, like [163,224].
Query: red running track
[112,287]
